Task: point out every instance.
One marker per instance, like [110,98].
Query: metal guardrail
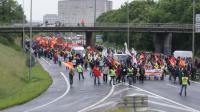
[138,103]
[109,25]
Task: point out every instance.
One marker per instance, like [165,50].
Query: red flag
[142,56]
[172,61]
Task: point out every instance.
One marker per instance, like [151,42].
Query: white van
[78,50]
[183,54]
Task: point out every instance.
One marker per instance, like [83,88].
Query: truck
[183,54]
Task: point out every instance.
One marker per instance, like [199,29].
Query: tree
[10,12]
[150,11]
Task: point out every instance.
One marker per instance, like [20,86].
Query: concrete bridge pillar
[168,44]
[89,39]
[157,43]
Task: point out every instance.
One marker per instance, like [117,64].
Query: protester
[193,72]
[118,74]
[130,75]
[112,75]
[134,74]
[105,73]
[124,73]
[80,71]
[71,75]
[142,73]
[97,74]
[184,82]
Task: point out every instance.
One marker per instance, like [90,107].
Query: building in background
[50,19]
[81,12]
[109,5]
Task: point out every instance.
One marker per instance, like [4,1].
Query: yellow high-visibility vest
[130,71]
[184,80]
[112,72]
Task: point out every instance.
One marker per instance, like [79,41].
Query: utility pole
[193,34]
[30,44]
[128,27]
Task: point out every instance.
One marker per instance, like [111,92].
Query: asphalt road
[162,95]
[85,96]
[57,98]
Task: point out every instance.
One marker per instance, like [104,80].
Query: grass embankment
[14,85]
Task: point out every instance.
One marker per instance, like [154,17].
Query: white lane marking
[102,100]
[46,61]
[104,104]
[172,85]
[157,110]
[53,101]
[167,105]
[136,94]
[191,109]
[195,82]
[120,91]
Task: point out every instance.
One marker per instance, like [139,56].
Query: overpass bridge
[103,27]
[164,30]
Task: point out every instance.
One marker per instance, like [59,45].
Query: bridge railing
[147,25]
[120,25]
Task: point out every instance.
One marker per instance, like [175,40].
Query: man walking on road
[105,73]
[71,75]
[142,73]
[184,82]
[97,74]
[130,74]
[80,71]
[124,73]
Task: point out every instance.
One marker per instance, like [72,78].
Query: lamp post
[95,8]
[128,27]
[23,35]
[30,43]
[193,33]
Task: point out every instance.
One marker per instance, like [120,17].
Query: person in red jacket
[97,73]
[118,74]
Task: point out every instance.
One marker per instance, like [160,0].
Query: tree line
[152,11]
[10,12]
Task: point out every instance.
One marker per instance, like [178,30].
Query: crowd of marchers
[98,62]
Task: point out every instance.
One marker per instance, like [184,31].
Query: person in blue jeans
[184,82]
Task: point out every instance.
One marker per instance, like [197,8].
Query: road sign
[197,23]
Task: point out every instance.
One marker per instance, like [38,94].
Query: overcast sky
[42,7]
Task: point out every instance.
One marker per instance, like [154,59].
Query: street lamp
[95,8]
[128,27]
[23,25]
[30,43]
[193,33]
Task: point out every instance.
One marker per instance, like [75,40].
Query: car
[183,54]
